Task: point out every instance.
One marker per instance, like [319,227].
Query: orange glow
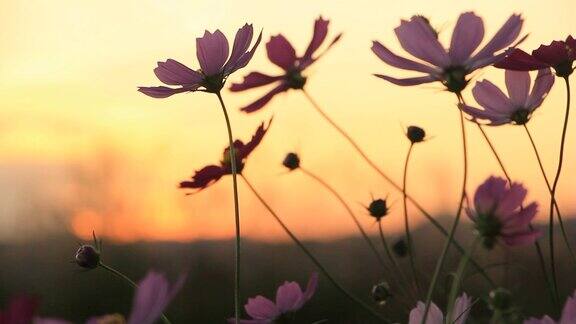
[69,99]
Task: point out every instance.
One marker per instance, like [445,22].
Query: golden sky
[75,129]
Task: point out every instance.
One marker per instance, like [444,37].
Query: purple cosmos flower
[212,173]
[435,315]
[153,295]
[568,314]
[215,65]
[450,66]
[498,213]
[281,53]
[518,106]
[559,55]
[289,299]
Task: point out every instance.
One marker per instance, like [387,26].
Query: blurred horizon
[82,150]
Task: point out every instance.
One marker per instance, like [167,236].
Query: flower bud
[400,248]
[381,293]
[415,134]
[500,299]
[378,208]
[87,257]
[291,161]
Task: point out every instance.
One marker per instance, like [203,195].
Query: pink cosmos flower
[518,106]
[498,213]
[450,66]
[212,173]
[289,299]
[153,295]
[568,314]
[435,315]
[281,53]
[559,55]
[215,64]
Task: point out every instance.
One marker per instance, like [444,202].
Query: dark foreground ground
[43,269]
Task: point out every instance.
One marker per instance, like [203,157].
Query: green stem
[232,153]
[456,283]
[311,256]
[130,282]
[446,247]
[406,222]
[375,167]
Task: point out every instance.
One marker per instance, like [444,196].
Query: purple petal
[408,81]
[461,309]
[434,316]
[175,73]
[467,35]
[569,311]
[212,52]
[258,104]
[288,297]
[162,92]
[518,222]
[20,310]
[204,177]
[281,52]
[518,60]
[511,200]
[490,97]
[261,308]
[254,80]
[542,85]
[518,85]
[305,62]
[488,194]
[242,41]
[320,32]
[311,287]
[544,320]
[553,54]
[245,58]
[399,62]
[243,150]
[496,119]
[526,238]
[418,38]
[502,39]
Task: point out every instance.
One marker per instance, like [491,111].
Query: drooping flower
[568,314]
[435,315]
[281,53]
[559,55]
[212,173]
[153,295]
[289,299]
[518,106]
[498,214]
[216,64]
[451,66]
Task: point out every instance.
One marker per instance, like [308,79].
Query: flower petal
[320,32]
[544,320]
[288,297]
[152,296]
[518,85]
[258,104]
[461,309]
[242,41]
[204,177]
[173,72]
[261,308]
[467,35]
[519,221]
[434,316]
[254,80]
[407,81]
[212,52]
[281,52]
[542,85]
[503,38]
[418,38]
[518,60]
[488,194]
[490,97]
[495,118]
[522,238]
[244,150]
[244,58]
[511,200]
[569,311]
[553,54]
[162,92]
[311,287]
[399,62]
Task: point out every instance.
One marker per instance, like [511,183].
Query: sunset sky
[82,149]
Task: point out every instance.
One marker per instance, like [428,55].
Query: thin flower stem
[311,256]
[130,282]
[407,223]
[458,278]
[554,186]
[375,167]
[446,247]
[232,153]
[349,210]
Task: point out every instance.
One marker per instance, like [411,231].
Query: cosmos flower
[435,315]
[153,295]
[559,55]
[282,54]
[451,66]
[498,213]
[212,173]
[215,65]
[289,299]
[518,106]
[568,314]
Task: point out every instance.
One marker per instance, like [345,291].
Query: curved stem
[130,282]
[407,223]
[309,254]
[456,283]
[446,247]
[349,210]
[554,186]
[232,153]
[375,167]
[390,255]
